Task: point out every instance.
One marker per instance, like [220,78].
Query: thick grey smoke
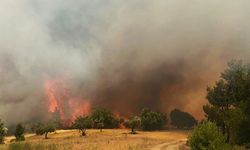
[124,55]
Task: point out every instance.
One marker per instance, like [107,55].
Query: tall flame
[59,99]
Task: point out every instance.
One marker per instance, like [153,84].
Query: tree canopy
[19,132]
[133,123]
[151,120]
[3,132]
[182,119]
[104,118]
[229,103]
[82,123]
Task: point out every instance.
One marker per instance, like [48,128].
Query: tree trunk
[83,132]
[100,129]
[46,135]
[228,134]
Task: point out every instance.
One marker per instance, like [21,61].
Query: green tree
[48,128]
[45,129]
[104,118]
[206,136]
[82,123]
[229,103]
[19,132]
[3,132]
[151,120]
[182,119]
[133,123]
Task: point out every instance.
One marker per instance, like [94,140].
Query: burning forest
[70,57]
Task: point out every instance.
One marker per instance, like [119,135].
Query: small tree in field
[47,129]
[82,124]
[19,132]
[3,132]
[133,123]
[206,136]
[104,118]
[41,129]
[37,128]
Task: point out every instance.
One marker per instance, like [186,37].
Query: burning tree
[82,123]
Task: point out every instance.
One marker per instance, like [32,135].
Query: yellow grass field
[117,139]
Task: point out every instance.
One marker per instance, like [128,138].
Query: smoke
[124,55]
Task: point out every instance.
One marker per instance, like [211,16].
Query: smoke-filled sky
[124,55]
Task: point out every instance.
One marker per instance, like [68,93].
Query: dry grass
[118,139]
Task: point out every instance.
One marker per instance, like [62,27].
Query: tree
[19,132]
[104,118]
[45,129]
[82,123]
[151,120]
[133,123]
[182,119]
[3,132]
[229,103]
[48,128]
[206,136]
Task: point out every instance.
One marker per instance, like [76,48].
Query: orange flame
[59,99]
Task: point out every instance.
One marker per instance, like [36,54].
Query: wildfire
[59,99]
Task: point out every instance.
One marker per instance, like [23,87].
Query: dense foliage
[206,136]
[83,123]
[3,132]
[182,119]
[41,129]
[104,118]
[133,123]
[19,132]
[151,120]
[229,103]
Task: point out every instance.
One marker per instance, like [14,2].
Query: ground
[117,139]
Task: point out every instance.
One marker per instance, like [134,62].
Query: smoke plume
[123,55]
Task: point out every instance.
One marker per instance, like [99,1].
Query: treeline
[102,118]
[227,112]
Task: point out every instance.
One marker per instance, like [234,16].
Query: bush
[206,136]
[19,132]
[151,120]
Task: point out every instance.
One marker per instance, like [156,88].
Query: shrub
[206,136]
[19,132]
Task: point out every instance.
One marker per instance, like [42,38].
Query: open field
[117,139]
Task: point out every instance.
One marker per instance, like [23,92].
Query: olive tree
[133,123]
[82,124]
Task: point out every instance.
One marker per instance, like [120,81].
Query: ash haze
[124,55]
